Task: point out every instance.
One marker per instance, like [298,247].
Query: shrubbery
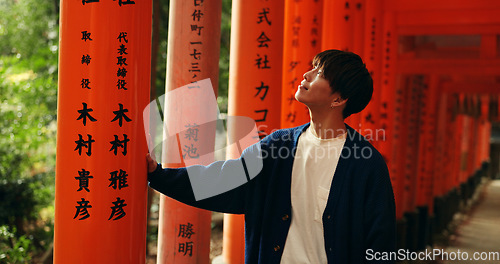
[28,97]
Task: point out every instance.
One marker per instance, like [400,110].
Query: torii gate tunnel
[436,72]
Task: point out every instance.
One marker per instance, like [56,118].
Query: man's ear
[338,101]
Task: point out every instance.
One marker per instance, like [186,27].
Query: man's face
[314,91]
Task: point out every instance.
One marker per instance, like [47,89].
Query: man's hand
[151,163]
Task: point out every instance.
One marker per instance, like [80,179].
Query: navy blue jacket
[359,214]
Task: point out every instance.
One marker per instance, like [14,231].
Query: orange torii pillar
[301,41]
[426,154]
[104,80]
[193,55]
[453,132]
[390,105]
[472,141]
[440,163]
[467,132]
[255,77]
[412,85]
[483,119]
[456,133]
[484,137]
[359,23]
[465,151]
[338,33]
[370,117]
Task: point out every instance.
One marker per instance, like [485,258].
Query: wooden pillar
[391,101]
[255,78]
[338,33]
[360,16]
[441,139]
[472,139]
[302,40]
[465,122]
[193,55]
[458,149]
[338,25]
[481,140]
[450,147]
[414,84]
[484,134]
[427,142]
[370,117]
[104,80]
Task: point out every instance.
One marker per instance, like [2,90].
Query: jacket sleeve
[220,186]
[380,212]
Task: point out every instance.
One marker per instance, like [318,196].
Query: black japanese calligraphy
[291,116]
[197,14]
[86,36]
[121,84]
[80,143]
[262,16]
[82,209]
[115,144]
[86,59]
[83,180]
[192,132]
[264,117]
[85,113]
[260,88]
[125,2]
[121,61]
[261,63]
[194,69]
[196,28]
[117,209]
[85,83]
[118,179]
[196,55]
[191,152]
[120,115]
[186,248]
[122,72]
[186,231]
[123,36]
[122,50]
[193,85]
[263,39]
[89,1]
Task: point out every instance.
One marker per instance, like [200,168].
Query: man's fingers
[151,163]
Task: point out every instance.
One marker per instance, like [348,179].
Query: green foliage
[13,249]
[28,28]
[225,37]
[28,100]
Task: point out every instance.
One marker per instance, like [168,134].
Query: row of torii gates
[435,65]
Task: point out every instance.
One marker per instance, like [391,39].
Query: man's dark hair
[347,75]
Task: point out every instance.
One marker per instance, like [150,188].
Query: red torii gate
[442,166]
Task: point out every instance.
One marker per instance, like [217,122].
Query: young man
[330,200]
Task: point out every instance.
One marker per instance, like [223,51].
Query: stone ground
[480,229]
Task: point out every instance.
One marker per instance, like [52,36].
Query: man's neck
[327,124]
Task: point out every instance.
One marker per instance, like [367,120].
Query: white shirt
[312,174]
